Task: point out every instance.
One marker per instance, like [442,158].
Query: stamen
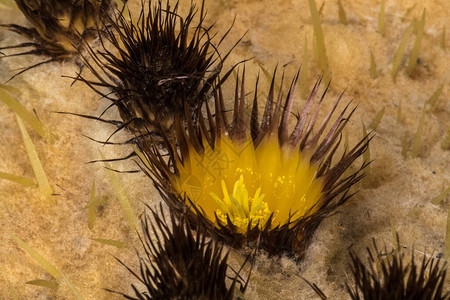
[240,208]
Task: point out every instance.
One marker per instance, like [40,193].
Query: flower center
[241,209]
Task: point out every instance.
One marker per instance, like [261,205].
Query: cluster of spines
[155,65]
[392,276]
[180,264]
[60,28]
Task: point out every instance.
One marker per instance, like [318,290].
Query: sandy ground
[397,190]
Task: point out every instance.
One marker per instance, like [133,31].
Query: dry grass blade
[321,8]
[405,145]
[373,67]
[366,154]
[319,40]
[128,211]
[8,3]
[432,102]
[399,113]
[445,144]
[447,237]
[12,290]
[377,119]
[265,72]
[10,89]
[14,294]
[45,283]
[141,156]
[417,142]
[409,11]
[47,266]
[401,49]
[443,39]
[439,198]
[26,115]
[416,48]
[381,19]
[120,4]
[91,208]
[346,142]
[109,242]
[18,179]
[39,172]
[342,15]
[394,234]
[303,81]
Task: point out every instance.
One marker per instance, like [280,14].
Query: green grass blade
[141,157]
[366,154]
[18,179]
[346,142]
[91,208]
[26,115]
[319,40]
[9,3]
[377,119]
[321,8]
[445,144]
[128,211]
[114,243]
[382,19]
[401,49]
[39,172]
[432,102]
[394,234]
[45,283]
[342,15]
[416,48]
[373,67]
[405,145]
[439,198]
[399,113]
[303,81]
[10,89]
[120,4]
[417,142]
[409,11]
[266,73]
[47,266]
[12,291]
[447,238]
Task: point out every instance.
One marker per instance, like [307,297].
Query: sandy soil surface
[398,189]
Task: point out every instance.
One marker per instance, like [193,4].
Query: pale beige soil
[397,189]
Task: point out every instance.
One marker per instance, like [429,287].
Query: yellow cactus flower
[256,182]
